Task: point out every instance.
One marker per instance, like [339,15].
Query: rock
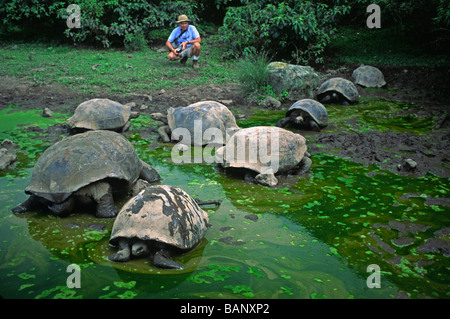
[402,241]
[409,164]
[442,232]
[299,81]
[252,217]
[8,144]
[6,158]
[47,112]
[435,245]
[270,102]
[227,102]
[404,227]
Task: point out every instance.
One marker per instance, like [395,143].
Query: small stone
[270,102]
[6,158]
[409,164]
[227,102]
[47,112]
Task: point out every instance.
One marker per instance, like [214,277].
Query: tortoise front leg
[283,122]
[162,260]
[32,203]
[304,165]
[124,252]
[148,173]
[314,126]
[164,132]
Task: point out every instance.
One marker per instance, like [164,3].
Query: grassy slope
[113,70]
[117,71]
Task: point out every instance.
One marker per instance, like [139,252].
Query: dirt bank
[425,87]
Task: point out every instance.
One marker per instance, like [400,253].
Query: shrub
[252,73]
[107,22]
[295,30]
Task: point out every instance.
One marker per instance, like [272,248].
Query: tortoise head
[159,117]
[63,208]
[140,248]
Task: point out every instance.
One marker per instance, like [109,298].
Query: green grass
[384,46]
[117,71]
[110,70]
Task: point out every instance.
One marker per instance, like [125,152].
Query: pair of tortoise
[312,115]
[89,169]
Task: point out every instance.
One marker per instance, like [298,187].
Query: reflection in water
[308,238]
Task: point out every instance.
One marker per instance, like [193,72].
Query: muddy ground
[427,88]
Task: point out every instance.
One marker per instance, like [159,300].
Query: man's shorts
[186,53]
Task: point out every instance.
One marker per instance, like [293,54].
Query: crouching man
[184,42]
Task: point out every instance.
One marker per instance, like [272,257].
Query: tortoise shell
[100,114]
[315,109]
[340,85]
[199,117]
[80,160]
[368,76]
[164,214]
[263,149]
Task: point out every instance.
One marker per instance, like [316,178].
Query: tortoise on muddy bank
[306,114]
[196,119]
[101,114]
[85,169]
[264,151]
[338,91]
[368,76]
[160,222]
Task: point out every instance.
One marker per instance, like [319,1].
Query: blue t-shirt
[190,34]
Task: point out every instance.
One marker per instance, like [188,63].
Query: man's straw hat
[183,18]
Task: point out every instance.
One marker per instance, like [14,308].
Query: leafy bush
[118,21]
[419,22]
[292,29]
[107,22]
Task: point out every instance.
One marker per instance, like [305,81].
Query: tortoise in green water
[338,91]
[306,114]
[368,76]
[85,169]
[265,151]
[160,222]
[197,118]
[101,114]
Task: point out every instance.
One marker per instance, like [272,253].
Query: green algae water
[311,237]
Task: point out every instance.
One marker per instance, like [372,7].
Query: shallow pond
[311,237]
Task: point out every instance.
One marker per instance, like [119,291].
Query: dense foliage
[108,22]
[292,29]
[295,30]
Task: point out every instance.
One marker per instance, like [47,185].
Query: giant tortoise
[85,168]
[306,114]
[194,121]
[265,151]
[338,91]
[101,114]
[160,222]
[368,76]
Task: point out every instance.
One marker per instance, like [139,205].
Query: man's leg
[195,52]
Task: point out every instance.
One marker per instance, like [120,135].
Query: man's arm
[196,40]
[170,47]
